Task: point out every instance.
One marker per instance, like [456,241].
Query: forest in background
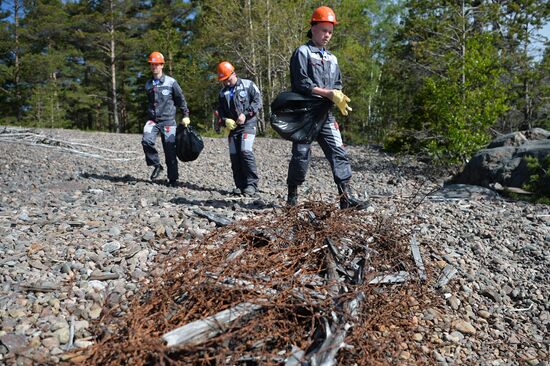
[440,77]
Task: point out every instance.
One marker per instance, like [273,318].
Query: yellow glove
[185,121]
[341,101]
[231,124]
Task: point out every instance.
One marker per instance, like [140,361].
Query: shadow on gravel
[255,203]
[124,179]
[161,182]
[195,187]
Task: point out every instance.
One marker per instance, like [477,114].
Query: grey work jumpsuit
[313,67]
[164,96]
[244,97]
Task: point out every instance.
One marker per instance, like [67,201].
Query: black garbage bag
[189,143]
[297,117]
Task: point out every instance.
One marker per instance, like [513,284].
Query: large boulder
[503,160]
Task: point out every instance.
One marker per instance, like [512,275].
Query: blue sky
[537,47]
[546,31]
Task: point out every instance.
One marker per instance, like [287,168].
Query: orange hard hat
[156,58]
[225,69]
[323,14]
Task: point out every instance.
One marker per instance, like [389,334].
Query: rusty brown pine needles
[288,285]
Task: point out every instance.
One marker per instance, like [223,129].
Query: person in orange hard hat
[315,71]
[239,104]
[164,98]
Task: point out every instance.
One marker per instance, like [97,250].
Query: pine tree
[104,31]
[519,23]
[452,80]
[43,41]
[10,62]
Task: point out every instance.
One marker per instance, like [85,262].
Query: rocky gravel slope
[81,224]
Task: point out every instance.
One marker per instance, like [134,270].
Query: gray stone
[148,236]
[503,161]
[111,247]
[14,342]
[511,139]
[115,231]
[464,327]
[491,294]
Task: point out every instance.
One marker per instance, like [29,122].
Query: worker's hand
[341,101]
[185,121]
[241,119]
[230,123]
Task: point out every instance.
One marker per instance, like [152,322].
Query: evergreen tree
[451,78]
[10,60]
[104,31]
[518,25]
[44,35]
[541,91]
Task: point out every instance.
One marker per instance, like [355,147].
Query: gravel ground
[77,227]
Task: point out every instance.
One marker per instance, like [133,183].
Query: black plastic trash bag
[189,143]
[297,117]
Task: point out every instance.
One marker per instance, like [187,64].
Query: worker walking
[164,97]
[315,71]
[239,103]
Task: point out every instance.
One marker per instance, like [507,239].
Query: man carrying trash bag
[314,71]
[239,103]
[164,98]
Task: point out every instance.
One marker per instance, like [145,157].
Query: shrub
[539,179]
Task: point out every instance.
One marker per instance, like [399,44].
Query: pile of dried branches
[31,137]
[306,285]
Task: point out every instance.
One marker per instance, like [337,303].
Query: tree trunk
[17,66]
[113,71]
[54,112]
[526,91]
[269,80]
[170,63]
[261,124]
[463,51]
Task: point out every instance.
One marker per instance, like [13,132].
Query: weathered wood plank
[418,259]
[200,331]
[446,275]
[397,277]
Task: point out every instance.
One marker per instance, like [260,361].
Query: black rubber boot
[156,172]
[249,191]
[347,200]
[292,199]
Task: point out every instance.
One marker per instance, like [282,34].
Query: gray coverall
[312,67]
[244,97]
[164,96]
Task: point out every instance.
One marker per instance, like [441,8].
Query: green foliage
[457,113]
[521,22]
[539,179]
[401,141]
[445,83]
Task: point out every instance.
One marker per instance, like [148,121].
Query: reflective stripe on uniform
[336,135]
[148,127]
